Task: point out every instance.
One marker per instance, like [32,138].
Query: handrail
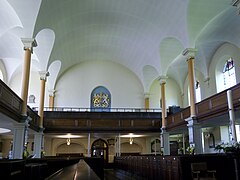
[77,109]
[214,105]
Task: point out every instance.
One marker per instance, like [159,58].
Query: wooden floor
[112,174]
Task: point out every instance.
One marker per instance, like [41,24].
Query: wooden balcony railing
[101,121]
[208,108]
[11,106]
[10,103]
[34,123]
[81,109]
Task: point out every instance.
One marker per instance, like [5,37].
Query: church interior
[141,85]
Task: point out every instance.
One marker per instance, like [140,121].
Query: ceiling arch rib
[149,75]
[9,18]
[45,39]
[53,70]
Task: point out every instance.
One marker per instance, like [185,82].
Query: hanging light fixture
[131,140]
[68,141]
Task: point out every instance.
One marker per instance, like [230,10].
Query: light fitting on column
[68,141]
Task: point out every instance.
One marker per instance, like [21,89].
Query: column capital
[189,53]
[43,75]
[162,79]
[237,4]
[51,92]
[29,43]
[192,121]
[146,95]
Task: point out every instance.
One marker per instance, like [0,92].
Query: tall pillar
[146,100]
[20,138]
[233,135]
[119,145]
[43,79]
[38,144]
[89,144]
[195,134]
[190,54]
[165,145]
[28,43]
[162,80]
[164,134]
[18,141]
[194,130]
[51,99]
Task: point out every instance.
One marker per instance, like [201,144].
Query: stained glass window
[100,99]
[229,77]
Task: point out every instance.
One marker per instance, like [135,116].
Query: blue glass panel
[100,99]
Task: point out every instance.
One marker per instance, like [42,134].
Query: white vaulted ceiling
[148,37]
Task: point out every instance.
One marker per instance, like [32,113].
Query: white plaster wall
[204,87]
[72,148]
[51,146]
[74,88]
[57,142]
[172,93]
[34,86]
[130,148]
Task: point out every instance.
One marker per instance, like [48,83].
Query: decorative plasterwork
[162,79]
[29,43]
[51,92]
[43,75]
[189,52]
[237,4]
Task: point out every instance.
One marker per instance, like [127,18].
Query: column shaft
[165,142]
[233,135]
[38,139]
[163,105]
[89,144]
[25,79]
[195,134]
[191,79]
[51,102]
[18,141]
[41,103]
[146,102]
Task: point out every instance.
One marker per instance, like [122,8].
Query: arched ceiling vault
[147,37]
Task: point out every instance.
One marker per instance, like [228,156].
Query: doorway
[100,149]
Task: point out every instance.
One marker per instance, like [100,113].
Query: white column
[165,146]
[116,146]
[195,134]
[18,140]
[119,145]
[89,145]
[233,135]
[38,144]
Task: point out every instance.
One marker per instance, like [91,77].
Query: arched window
[1,75]
[198,91]
[100,99]
[229,77]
